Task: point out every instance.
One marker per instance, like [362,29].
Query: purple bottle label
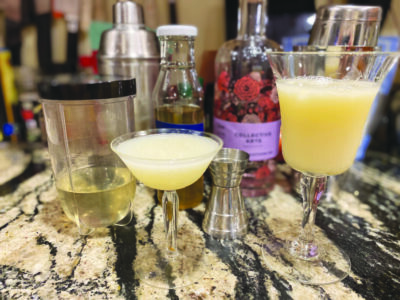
[260,140]
[197,127]
[247,114]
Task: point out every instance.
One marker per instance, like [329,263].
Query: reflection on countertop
[42,256]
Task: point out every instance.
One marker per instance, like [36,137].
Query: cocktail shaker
[129,49]
[348,28]
[346,25]
[226,216]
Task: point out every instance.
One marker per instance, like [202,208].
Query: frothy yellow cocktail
[168,161]
[323,121]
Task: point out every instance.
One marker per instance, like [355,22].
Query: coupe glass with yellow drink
[325,99]
[168,159]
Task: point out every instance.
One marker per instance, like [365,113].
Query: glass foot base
[160,268]
[317,266]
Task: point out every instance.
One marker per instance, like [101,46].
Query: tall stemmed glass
[168,159]
[324,98]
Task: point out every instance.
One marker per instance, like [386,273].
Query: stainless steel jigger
[226,216]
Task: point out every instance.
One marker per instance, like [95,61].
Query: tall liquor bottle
[178,95]
[246,107]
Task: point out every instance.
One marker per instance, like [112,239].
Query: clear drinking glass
[325,99]
[82,115]
[168,159]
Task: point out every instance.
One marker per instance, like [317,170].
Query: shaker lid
[186,30]
[77,87]
[127,12]
[350,12]
[129,38]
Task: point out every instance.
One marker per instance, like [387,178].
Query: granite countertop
[43,257]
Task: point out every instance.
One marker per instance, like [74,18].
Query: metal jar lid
[75,87]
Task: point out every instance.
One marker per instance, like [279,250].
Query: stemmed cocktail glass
[168,159]
[325,99]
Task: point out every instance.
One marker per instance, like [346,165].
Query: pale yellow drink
[98,196]
[167,161]
[323,121]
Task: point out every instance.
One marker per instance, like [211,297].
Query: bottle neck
[252,18]
[177,51]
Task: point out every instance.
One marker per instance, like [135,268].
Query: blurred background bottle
[246,107]
[178,94]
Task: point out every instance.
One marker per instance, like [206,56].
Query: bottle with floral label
[246,107]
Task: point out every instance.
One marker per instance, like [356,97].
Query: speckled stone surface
[13,162]
[43,257]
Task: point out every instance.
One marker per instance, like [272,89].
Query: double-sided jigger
[226,216]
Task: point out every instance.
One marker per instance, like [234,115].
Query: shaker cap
[350,12]
[127,12]
[128,39]
[186,30]
[73,87]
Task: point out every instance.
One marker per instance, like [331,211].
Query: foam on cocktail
[168,161]
[323,121]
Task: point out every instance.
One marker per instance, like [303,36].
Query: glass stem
[312,189]
[83,230]
[170,204]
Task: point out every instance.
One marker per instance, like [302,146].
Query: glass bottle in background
[246,107]
[178,94]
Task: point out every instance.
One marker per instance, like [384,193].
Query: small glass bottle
[246,107]
[178,94]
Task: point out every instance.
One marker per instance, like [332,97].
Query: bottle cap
[8,129]
[187,30]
